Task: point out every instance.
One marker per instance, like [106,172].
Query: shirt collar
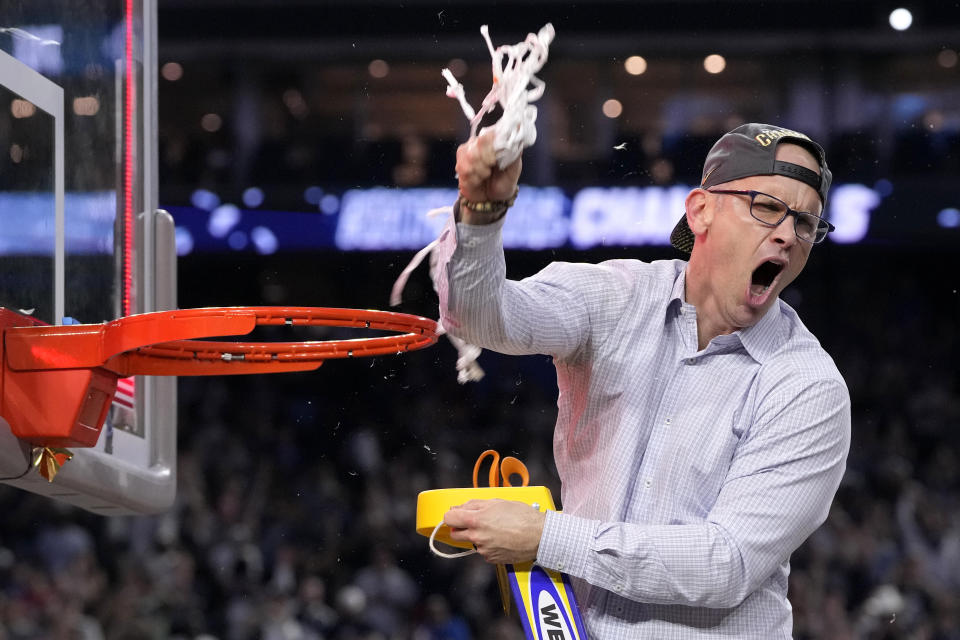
[760,341]
[677,294]
[764,338]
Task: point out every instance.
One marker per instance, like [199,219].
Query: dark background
[294,517]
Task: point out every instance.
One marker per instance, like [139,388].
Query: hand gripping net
[515,86]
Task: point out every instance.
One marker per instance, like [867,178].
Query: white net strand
[468,370]
[515,86]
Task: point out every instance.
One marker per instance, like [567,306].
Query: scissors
[504,469]
[510,466]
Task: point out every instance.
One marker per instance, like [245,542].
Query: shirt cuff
[489,229]
[565,543]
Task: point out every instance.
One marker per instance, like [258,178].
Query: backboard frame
[128,472]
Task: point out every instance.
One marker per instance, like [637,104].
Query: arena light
[86,106]
[714,63]
[264,240]
[22,108]
[612,108]
[238,240]
[296,103]
[901,19]
[379,68]
[211,122]
[949,218]
[253,197]
[635,65]
[205,199]
[171,71]
[183,240]
[329,204]
[312,194]
[947,58]
[223,219]
[458,67]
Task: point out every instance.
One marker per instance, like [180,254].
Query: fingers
[460,535]
[473,170]
[465,522]
[462,516]
[480,179]
[455,519]
[484,143]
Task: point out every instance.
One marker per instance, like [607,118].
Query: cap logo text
[766,136]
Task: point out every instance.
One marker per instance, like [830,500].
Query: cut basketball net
[515,86]
[467,368]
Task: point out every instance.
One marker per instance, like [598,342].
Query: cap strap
[797,172]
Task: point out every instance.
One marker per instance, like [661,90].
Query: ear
[699,214]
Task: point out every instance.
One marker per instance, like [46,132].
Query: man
[702,431]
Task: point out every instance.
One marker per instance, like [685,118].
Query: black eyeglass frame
[796,214]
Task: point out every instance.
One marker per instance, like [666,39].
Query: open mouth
[763,278]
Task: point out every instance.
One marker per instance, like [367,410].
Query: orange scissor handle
[509,467]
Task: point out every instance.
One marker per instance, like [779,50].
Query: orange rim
[214,357]
[153,344]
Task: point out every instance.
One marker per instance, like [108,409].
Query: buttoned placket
[638,508]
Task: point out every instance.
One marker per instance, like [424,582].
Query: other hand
[502,531]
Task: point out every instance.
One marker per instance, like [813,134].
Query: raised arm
[543,314]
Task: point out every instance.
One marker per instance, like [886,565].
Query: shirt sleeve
[777,491]
[542,314]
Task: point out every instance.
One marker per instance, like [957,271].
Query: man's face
[750,263]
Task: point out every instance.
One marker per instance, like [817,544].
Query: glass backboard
[81,239]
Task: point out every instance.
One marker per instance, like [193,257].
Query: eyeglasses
[772,211]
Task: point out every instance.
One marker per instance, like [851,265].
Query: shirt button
[691,361]
[647,483]
[668,421]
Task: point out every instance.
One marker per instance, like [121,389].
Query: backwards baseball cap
[751,150]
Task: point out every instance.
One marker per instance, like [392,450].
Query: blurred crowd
[297,492]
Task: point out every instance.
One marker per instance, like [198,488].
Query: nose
[784,233]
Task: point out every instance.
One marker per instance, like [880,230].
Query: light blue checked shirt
[688,477]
